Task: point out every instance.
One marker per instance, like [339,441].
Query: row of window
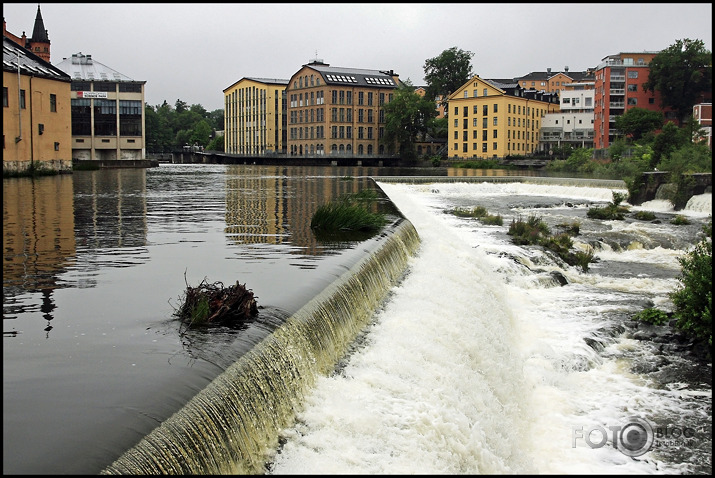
[528,135]
[105,117]
[495,122]
[124,87]
[517,109]
[319,149]
[338,97]
[338,115]
[23,103]
[484,146]
[336,132]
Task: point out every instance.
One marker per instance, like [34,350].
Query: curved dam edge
[233,425]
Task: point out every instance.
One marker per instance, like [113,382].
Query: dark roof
[334,75]
[268,81]
[38,32]
[545,75]
[29,63]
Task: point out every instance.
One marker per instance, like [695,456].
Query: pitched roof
[14,55]
[334,75]
[83,68]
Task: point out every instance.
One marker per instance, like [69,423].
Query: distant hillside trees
[169,128]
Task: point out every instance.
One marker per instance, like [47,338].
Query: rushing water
[481,363]
[477,362]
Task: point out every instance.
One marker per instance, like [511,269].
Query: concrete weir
[232,425]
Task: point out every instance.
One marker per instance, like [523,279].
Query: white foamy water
[475,366]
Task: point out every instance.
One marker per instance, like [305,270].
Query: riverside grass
[349,212]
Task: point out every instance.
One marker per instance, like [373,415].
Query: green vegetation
[692,299]
[482,164]
[407,117]
[480,213]
[169,128]
[680,73]
[644,216]
[447,72]
[534,231]
[680,220]
[613,211]
[652,316]
[349,213]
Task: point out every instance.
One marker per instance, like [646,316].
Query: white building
[107,111]
[573,125]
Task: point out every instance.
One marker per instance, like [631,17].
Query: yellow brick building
[490,120]
[338,111]
[36,117]
[255,119]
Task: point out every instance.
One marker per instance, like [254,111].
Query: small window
[53,103]
[4,97]
[57,146]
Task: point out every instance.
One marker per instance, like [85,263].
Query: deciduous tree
[681,73]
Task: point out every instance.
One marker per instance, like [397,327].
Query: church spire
[39,34]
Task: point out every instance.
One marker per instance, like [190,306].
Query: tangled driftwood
[216,304]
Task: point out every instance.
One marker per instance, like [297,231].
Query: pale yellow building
[36,119]
[490,120]
[254,117]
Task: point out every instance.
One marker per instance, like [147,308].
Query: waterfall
[231,425]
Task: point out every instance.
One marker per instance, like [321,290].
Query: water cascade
[231,425]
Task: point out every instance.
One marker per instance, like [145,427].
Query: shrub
[693,299]
[652,316]
[644,215]
[680,220]
[613,211]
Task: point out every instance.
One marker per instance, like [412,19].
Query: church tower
[39,43]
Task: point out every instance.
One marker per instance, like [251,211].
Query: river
[477,362]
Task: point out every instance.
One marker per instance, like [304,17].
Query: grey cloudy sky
[193,51]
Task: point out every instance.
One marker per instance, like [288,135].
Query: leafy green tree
[407,116]
[438,128]
[693,300]
[636,122]
[670,138]
[446,72]
[201,134]
[681,74]
[216,144]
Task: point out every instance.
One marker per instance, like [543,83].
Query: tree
[669,139]
[681,74]
[406,116]
[636,122]
[446,72]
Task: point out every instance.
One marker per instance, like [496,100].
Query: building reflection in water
[275,205]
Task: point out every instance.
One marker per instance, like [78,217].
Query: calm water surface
[94,265]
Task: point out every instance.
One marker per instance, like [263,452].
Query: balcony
[617,104]
[620,92]
[618,78]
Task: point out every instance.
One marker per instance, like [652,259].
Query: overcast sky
[193,51]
